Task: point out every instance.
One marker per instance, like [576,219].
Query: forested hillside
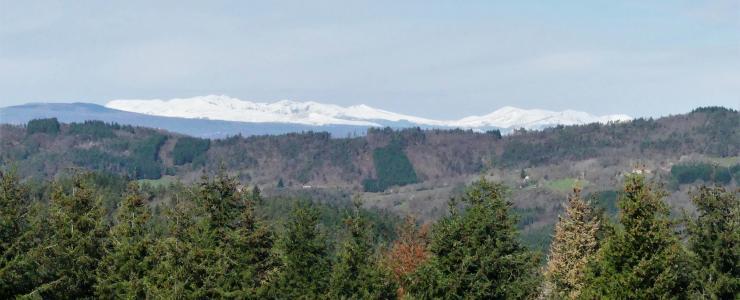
[382,159]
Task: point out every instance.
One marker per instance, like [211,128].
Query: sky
[435,59]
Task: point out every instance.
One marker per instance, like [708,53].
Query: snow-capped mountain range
[225,108]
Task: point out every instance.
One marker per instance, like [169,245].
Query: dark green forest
[189,149]
[88,235]
[393,168]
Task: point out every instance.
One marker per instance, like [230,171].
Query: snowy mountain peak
[222,107]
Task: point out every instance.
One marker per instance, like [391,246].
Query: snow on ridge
[513,118]
[221,107]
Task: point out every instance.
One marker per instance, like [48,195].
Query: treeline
[644,255]
[212,242]
[709,173]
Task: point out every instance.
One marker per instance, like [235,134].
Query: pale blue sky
[440,59]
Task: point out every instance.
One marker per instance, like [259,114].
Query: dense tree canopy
[188,149]
[476,253]
[714,238]
[645,258]
[357,273]
[392,167]
[216,239]
[304,257]
[50,126]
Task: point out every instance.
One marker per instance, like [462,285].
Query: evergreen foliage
[13,198]
[209,240]
[123,270]
[188,149]
[144,162]
[71,248]
[477,254]
[217,248]
[15,268]
[714,238]
[573,247]
[392,167]
[691,172]
[49,126]
[644,260]
[357,273]
[606,201]
[94,129]
[735,171]
[495,132]
[304,257]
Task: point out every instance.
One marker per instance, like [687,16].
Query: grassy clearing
[566,184]
[726,161]
[164,181]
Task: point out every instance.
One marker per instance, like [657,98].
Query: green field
[164,181]
[726,161]
[566,184]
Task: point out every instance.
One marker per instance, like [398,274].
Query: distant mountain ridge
[221,116]
[80,112]
[318,114]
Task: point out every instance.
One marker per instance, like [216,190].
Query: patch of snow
[220,107]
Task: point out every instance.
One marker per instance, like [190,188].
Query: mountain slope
[232,109]
[512,117]
[313,113]
[80,112]
[315,158]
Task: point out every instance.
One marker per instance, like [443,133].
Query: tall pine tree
[72,244]
[573,246]
[13,205]
[645,259]
[477,253]
[216,248]
[19,225]
[123,270]
[305,264]
[171,272]
[357,273]
[247,250]
[714,238]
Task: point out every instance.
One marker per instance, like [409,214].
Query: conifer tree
[477,253]
[573,246]
[714,238]
[72,245]
[122,271]
[217,248]
[170,273]
[16,231]
[247,250]
[13,198]
[357,273]
[304,258]
[645,259]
